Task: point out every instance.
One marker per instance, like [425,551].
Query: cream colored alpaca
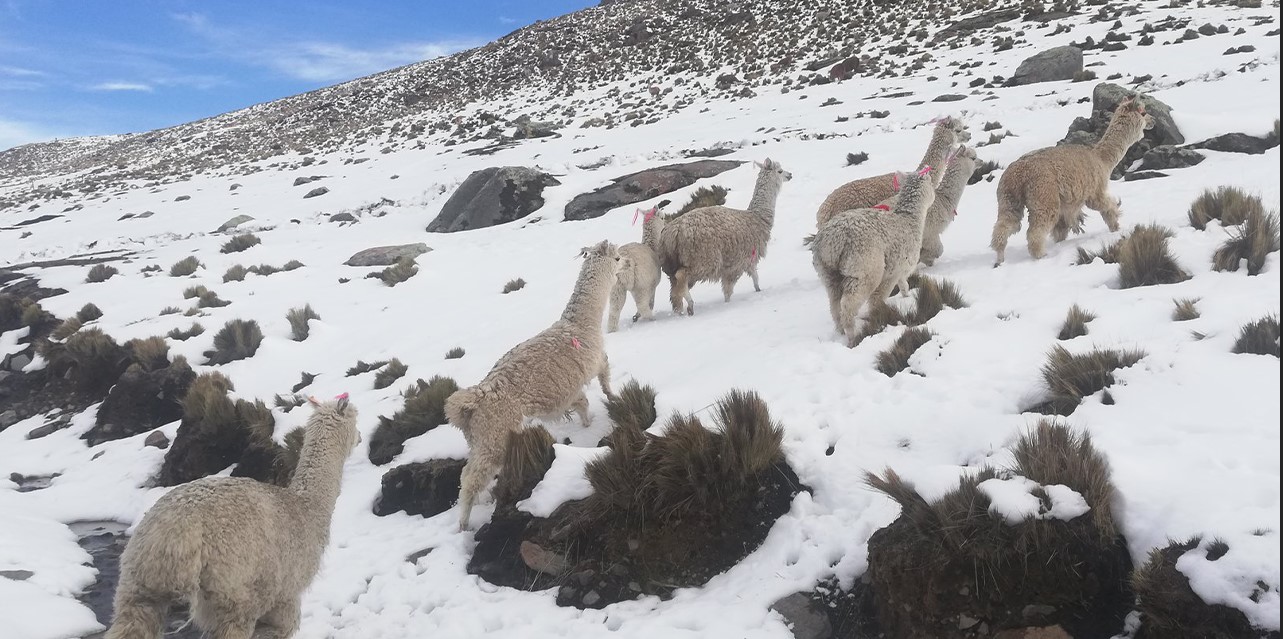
[866,192]
[239,551]
[1056,182]
[945,206]
[718,243]
[862,254]
[638,272]
[542,377]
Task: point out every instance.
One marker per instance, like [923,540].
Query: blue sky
[91,67]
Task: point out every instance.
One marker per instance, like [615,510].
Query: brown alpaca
[1056,182]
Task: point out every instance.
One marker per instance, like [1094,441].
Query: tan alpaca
[1056,182]
[638,272]
[866,192]
[240,552]
[542,377]
[719,243]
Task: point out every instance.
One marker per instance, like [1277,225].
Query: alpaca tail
[137,618]
[461,405]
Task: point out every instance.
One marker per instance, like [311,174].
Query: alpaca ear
[342,403]
[603,248]
[311,399]
[757,164]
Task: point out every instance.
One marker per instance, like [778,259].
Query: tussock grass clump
[1075,324]
[514,285]
[192,312]
[454,353]
[1107,253]
[403,270]
[1169,607]
[1070,571]
[36,317]
[185,266]
[240,243]
[1185,310]
[11,311]
[182,336]
[238,339]
[264,269]
[210,299]
[1144,259]
[1260,337]
[150,353]
[292,265]
[288,403]
[896,358]
[194,291]
[88,313]
[424,410]
[100,273]
[1229,204]
[298,319]
[235,274]
[527,457]
[852,159]
[1069,377]
[1252,242]
[713,195]
[387,375]
[361,367]
[170,310]
[66,329]
[933,296]
[305,379]
[90,358]
[983,170]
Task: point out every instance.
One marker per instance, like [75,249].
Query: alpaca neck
[765,194]
[588,301]
[318,476]
[951,187]
[937,152]
[1113,145]
[651,232]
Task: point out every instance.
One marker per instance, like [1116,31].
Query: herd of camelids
[241,553]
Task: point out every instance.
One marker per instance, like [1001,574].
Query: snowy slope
[1193,436]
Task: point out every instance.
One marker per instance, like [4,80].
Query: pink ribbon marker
[341,396]
[895,182]
[882,207]
[925,170]
[650,214]
[752,257]
[635,214]
[574,341]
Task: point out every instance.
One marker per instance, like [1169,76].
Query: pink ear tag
[341,396]
[650,214]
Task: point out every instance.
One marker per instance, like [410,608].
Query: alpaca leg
[679,292]
[603,376]
[227,619]
[645,304]
[618,295]
[580,406]
[477,472]
[833,287]
[1070,220]
[728,285]
[931,251]
[1042,217]
[855,292]
[752,272]
[1007,224]
[1107,206]
[237,630]
[137,617]
[280,622]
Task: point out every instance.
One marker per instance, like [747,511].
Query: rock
[320,190]
[230,224]
[591,598]
[1033,632]
[301,180]
[493,195]
[17,575]
[1034,612]
[949,97]
[182,198]
[47,429]
[643,185]
[805,619]
[528,129]
[342,217]
[421,488]
[1169,157]
[542,560]
[8,418]
[415,556]
[234,186]
[1060,63]
[965,622]
[1143,175]
[387,255]
[1105,98]
[18,361]
[1236,143]
[140,401]
[157,439]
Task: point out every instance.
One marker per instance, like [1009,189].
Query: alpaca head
[333,420]
[1130,115]
[917,192]
[954,127]
[962,164]
[601,260]
[772,169]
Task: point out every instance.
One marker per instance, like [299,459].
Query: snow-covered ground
[1193,437]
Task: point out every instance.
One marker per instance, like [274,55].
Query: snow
[565,480]
[1013,499]
[1192,436]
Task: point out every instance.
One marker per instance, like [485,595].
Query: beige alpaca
[864,193]
[1056,182]
[945,206]
[862,254]
[240,552]
[542,377]
[638,272]
[718,243]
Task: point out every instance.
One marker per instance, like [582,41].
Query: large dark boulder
[421,488]
[140,401]
[1105,98]
[643,185]
[1060,63]
[1169,157]
[1236,143]
[493,195]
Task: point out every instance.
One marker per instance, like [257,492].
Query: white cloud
[14,133]
[19,72]
[121,86]
[330,62]
[507,20]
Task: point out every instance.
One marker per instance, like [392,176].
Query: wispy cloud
[14,133]
[122,86]
[507,20]
[19,72]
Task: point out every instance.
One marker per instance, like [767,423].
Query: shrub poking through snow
[362,367]
[100,273]
[210,299]
[666,512]
[11,309]
[90,358]
[527,457]
[235,274]
[424,410]
[88,313]
[217,431]
[1107,254]
[713,195]
[1144,259]
[1169,607]
[1069,377]
[264,269]
[454,353]
[151,353]
[1260,337]
[983,170]
[298,319]
[194,291]
[145,396]
[238,339]
[1186,309]
[292,265]
[185,266]
[403,270]
[184,335]
[896,358]
[933,295]
[1229,204]
[1031,545]
[66,329]
[37,318]
[289,402]
[240,243]
[514,285]
[170,310]
[854,159]
[1075,324]
[1251,242]
[387,375]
